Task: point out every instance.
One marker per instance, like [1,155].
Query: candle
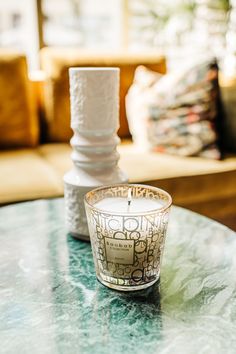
[127,225]
[126,205]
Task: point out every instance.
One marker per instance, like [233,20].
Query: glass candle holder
[127,225]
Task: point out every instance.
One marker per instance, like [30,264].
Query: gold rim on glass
[126,185]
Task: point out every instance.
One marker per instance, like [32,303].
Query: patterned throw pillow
[176,113]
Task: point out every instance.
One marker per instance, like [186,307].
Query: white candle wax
[136,205]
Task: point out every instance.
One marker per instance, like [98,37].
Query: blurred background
[191,25]
[187,119]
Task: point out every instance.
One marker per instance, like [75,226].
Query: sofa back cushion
[56,62]
[18,119]
[228,95]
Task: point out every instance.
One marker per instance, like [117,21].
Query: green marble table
[51,302]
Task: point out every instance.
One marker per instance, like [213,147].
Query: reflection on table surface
[51,302]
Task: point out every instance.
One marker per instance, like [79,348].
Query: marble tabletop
[51,302]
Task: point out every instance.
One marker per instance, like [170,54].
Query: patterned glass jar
[127,225]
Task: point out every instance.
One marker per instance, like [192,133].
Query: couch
[34,136]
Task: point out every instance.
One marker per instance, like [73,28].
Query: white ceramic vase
[94,96]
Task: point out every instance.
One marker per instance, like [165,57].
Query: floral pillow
[176,113]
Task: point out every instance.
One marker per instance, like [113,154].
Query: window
[19,28]
[167,26]
[85,23]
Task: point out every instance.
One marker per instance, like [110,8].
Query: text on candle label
[119,250]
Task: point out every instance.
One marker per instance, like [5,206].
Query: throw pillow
[176,113]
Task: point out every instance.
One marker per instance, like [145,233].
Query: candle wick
[129,196]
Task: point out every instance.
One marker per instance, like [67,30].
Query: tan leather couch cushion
[24,175]
[202,185]
[55,63]
[18,119]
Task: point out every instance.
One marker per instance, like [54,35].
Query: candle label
[119,251]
